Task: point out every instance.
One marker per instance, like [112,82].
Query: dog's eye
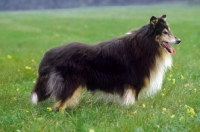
[165,32]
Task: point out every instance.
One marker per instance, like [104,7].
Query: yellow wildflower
[181,118]
[9,56]
[40,118]
[49,109]
[164,89]
[172,116]
[89,101]
[191,111]
[169,79]
[173,81]
[164,109]
[27,111]
[91,130]
[186,85]
[135,112]
[28,68]
[186,106]
[143,105]
[195,90]
[170,75]
[182,77]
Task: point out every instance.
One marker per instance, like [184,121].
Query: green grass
[25,36]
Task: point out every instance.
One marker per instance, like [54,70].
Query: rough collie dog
[123,66]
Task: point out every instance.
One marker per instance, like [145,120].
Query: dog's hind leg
[69,100]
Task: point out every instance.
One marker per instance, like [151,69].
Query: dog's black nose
[178,41]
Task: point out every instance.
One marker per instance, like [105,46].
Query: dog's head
[163,34]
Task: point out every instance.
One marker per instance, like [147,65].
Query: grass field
[25,36]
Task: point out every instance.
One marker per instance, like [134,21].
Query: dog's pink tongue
[169,47]
[172,50]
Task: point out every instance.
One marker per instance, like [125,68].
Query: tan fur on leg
[73,101]
[57,105]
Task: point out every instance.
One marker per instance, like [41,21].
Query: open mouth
[168,47]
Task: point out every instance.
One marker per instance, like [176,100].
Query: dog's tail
[47,85]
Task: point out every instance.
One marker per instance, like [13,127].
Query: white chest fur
[157,74]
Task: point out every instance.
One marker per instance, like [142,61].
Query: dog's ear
[153,21]
[163,17]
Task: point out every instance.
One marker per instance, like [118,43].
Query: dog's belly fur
[152,86]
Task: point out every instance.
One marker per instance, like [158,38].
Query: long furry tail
[46,86]
[55,84]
